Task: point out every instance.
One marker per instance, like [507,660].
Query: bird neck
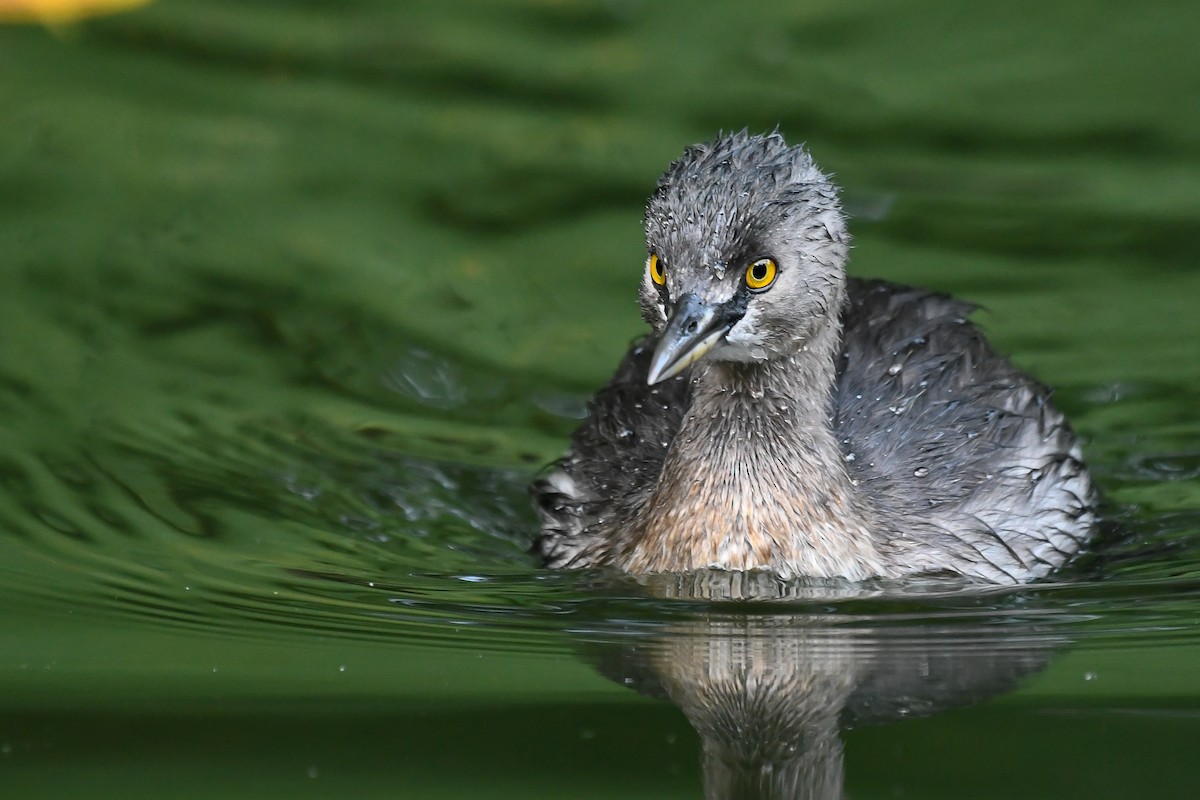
[782,404]
[797,389]
[758,440]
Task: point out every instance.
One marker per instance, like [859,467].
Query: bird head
[746,252]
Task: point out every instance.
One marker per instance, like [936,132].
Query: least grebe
[784,417]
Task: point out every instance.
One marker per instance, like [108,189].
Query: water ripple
[291,528]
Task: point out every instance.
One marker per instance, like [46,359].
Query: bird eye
[658,270]
[761,274]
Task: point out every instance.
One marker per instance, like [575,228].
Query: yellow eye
[658,271]
[761,274]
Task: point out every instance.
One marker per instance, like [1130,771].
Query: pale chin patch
[743,352]
[743,343]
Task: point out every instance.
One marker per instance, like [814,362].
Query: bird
[786,418]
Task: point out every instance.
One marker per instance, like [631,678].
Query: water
[294,302]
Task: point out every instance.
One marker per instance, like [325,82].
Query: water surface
[293,303]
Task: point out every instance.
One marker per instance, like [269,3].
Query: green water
[294,300]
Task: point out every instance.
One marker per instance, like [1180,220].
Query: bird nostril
[691,328]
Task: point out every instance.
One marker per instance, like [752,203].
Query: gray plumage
[828,427]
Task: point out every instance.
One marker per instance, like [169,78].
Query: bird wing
[950,440]
[625,436]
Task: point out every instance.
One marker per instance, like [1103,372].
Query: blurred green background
[294,299]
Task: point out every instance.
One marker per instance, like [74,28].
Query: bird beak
[694,328]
